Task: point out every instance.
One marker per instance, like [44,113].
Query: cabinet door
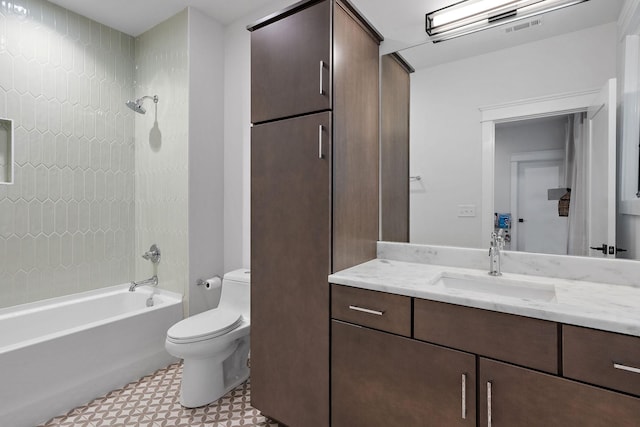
[291,65]
[512,396]
[379,379]
[290,244]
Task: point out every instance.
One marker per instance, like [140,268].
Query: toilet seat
[204,326]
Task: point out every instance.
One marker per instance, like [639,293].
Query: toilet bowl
[214,344]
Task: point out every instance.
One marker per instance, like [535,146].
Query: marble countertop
[608,307]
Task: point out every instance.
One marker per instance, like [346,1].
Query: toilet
[214,344]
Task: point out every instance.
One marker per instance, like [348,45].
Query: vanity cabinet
[529,372]
[381,379]
[514,396]
[314,193]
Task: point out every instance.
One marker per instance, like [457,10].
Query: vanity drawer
[378,310]
[603,358]
[520,340]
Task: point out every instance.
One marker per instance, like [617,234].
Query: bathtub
[63,352]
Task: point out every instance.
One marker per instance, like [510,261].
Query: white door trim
[515,161]
[553,105]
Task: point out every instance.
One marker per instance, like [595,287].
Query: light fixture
[469,16]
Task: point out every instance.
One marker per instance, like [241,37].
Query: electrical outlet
[466,210]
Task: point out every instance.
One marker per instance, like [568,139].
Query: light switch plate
[466,210]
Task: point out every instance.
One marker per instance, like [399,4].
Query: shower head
[137,104]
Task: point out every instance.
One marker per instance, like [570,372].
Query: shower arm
[154,97]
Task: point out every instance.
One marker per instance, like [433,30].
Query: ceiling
[134,17]
[400,21]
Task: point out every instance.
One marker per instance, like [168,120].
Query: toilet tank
[236,292]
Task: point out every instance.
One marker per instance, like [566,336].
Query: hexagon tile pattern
[161,152]
[67,224]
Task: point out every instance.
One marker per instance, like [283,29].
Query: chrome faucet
[151,282]
[496,245]
[153,255]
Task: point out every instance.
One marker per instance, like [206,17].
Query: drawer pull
[488,403]
[366,310]
[464,396]
[626,368]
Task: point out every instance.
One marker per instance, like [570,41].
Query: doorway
[530,157]
[598,124]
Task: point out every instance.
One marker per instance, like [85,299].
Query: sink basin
[499,286]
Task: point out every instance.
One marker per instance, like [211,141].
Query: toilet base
[206,380]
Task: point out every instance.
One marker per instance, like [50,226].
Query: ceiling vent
[524,26]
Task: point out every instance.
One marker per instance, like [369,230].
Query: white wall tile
[20,70]
[28,182]
[27,111]
[21,219]
[161,151]
[6,65]
[48,217]
[35,217]
[50,80]
[27,253]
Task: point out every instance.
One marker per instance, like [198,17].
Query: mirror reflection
[509,128]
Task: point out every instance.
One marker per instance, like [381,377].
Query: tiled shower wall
[67,224]
[162,152]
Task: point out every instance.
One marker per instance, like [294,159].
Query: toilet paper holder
[207,283]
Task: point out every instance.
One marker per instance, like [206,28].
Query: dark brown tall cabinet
[314,193]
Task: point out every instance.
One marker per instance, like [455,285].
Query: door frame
[516,159]
[530,108]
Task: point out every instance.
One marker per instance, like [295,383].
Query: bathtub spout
[151,282]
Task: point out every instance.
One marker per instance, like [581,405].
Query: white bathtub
[61,353]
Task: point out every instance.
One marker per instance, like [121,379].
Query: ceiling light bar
[469,16]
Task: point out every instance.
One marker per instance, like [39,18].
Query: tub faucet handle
[153,254]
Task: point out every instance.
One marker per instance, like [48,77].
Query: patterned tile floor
[153,401]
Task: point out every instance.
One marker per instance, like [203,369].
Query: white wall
[237,137]
[206,157]
[522,137]
[445,120]
[162,147]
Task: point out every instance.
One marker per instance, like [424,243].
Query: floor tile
[153,401]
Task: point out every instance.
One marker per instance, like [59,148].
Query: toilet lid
[206,325]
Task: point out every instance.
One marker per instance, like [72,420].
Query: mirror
[493,86]
[6,151]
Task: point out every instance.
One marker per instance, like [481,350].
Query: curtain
[577,165]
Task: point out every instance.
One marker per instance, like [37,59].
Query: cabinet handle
[488,403]
[321,77]
[464,396]
[320,155]
[366,310]
[626,368]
